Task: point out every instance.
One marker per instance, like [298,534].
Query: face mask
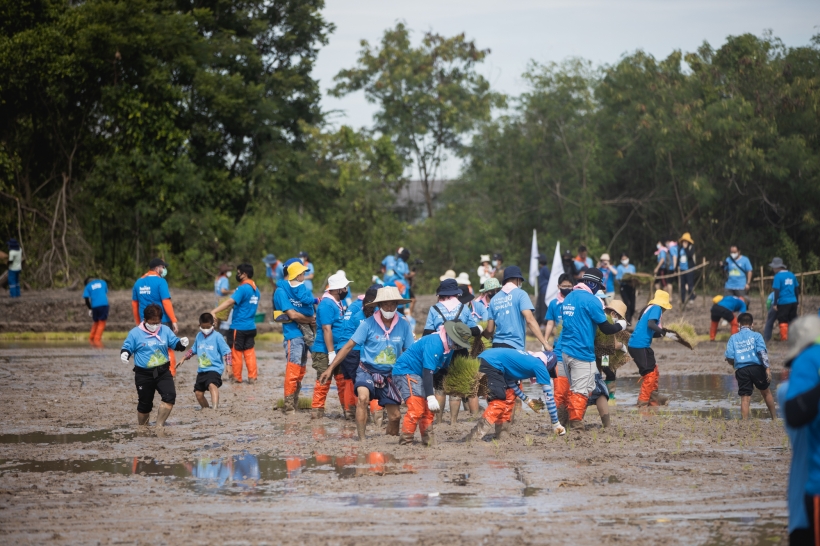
[228,274]
[495,263]
[296,284]
[625,262]
[207,331]
[164,272]
[388,314]
[151,327]
[658,246]
[565,291]
[734,255]
[343,295]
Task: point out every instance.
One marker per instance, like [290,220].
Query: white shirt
[15,260]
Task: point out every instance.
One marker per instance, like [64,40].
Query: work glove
[480,329]
[559,429]
[624,348]
[124,356]
[183,341]
[331,356]
[671,335]
[622,324]
[90,313]
[432,403]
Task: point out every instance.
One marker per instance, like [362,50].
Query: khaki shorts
[320,362]
[581,375]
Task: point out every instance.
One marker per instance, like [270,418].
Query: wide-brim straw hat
[618,306]
[688,238]
[490,284]
[463,278]
[449,274]
[803,332]
[337,281]
[459,333]
[661,299]
[388,293]
[604,257]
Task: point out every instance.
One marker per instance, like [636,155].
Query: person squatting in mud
[149,342]
[383,338]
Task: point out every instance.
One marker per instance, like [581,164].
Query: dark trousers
[628,296]
[687,286]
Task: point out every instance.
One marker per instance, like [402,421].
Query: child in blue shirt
[746,352]
[214,355]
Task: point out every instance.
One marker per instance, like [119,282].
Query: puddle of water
[68,438]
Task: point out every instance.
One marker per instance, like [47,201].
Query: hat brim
[774,265]
[339,287]
[448,328]
[513,277]
[449,293]
[665,305]
[400,301]
[300,268]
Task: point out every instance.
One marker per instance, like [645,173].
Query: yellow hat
[717,299]
[661,299]
[688,238]
[295,269]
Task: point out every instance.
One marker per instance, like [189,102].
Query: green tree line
[192,130]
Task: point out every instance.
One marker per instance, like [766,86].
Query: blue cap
[269,259]
[448,287]
[512,272]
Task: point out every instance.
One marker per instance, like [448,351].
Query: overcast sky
[551,30]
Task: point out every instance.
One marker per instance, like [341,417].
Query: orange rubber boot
[350,395]
[173,358]
[236,365]
[320,391]
[250,362]
[784,332]
[713,330]
[649,383]
[561,391]
[374,406]
[92,336]
[293,374]
[341,387]
[494,414]
[509,405]
[415,412]
[100,329]
[577,406]
[735,326]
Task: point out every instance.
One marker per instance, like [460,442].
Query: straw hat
[463,278]
[485,258]
[688,238]
[661,299]
[717,299]
[449,274]
[459,333]
[604,257]
[803,332]
[388,293]
[618,306]
[337,281]
[490,284]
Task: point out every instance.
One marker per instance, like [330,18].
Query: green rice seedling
[303,404]
[462,377]
[528,441]
[687,336]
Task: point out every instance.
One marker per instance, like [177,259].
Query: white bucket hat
[485,258]
[463,278]
[449,274]
[803,332]
[337,281]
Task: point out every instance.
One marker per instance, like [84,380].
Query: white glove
[184,341]
[671,335]
[624,348]
[331,356]
[432,403]
[622,323]
[124,357]
[90,313]
[480,329]
[559,429]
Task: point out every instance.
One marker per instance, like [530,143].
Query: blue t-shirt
[329,313]
[401,268]
[582,265]
[641,337]
[662,255]
[737,273]
[389,262]
[798,470]
[379,350]
[582,313]
[149,350]
[309,282]
[554,314]
[736,305]
[805,375]
[354,315]
[786,282]
[744,346]
[151,288]
[517,364]
[683,259]
[434,319]
[97,291]
[210,351]
[609,280]
[246,297]
[221,284]
[427,353]
[505,310]
[624,269]
[481,310]
[286,298]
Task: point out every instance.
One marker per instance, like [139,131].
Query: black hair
[564,277]
[87,280]
[404,254]
[624,255]
[247,269]
[369,296]
[152,311]
[745,319]
[582,248]
[206,318]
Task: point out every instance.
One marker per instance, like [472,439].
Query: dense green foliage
[193,131]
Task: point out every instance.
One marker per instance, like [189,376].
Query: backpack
[445,319]
[667,261]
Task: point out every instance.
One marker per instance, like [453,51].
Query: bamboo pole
[807,273]
[800,306]
[762,290]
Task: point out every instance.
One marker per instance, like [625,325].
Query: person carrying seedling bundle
[725,308]
[504,368]
[244,301]
[96,299]
[554,320]
[785,296]
[149,342]
[214,356]
[329,338]
[640,348]
[582,312]
[616,310]
[746,353]
[383,338]
[152,288]
[413,375]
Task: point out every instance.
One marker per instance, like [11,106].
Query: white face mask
[495,263]
[228,274]
[625,262]
[387,314]
[296,283]
[207,331]
[151,327]
[658,246]
[734,255]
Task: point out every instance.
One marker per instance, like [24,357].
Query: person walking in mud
[383,338]
[152,289]
[149,343]
[245,302]
[96,299]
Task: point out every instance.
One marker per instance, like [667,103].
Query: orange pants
[294,373]
[250,362]
[784,332]
[500,411]
[561,391]
[735,326]
[320,391]
[97,329]
[374,406]
[173,359]
[417,414]
[649,383]
[350,395]
[577,405]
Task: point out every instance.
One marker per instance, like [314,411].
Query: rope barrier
[673,275]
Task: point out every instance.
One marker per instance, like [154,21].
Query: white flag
[534,260]
[557,271]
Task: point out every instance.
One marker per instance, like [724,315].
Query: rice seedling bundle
[638,279]
[304,403]
[605,346]
[462,377]
[687,336]
[480,343]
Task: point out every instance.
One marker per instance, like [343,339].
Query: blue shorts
[99,313]
[364,379]
[350,364]
[599,390]
[409,385]
[295,351]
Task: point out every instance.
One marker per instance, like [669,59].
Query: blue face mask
[164,272]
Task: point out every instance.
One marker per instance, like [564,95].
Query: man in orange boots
[785,296]
[554,320]
[330,329]
[152,288]
[245,301]
[726,308]
[96,299]
[640,348]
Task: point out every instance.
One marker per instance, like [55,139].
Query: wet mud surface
[75,468]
